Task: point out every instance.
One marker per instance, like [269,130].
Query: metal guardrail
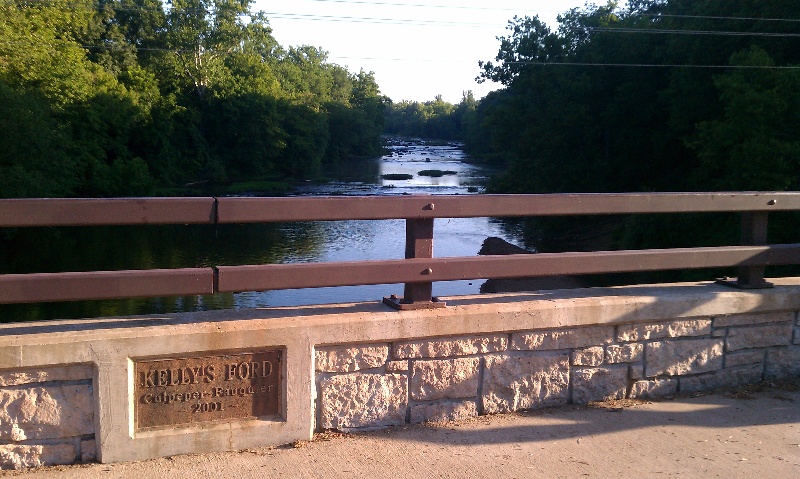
[418,271]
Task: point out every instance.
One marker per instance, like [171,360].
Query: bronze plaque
[178,391]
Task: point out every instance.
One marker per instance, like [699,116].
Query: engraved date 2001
[207,407]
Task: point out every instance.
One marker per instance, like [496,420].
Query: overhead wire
[422,5]
[130,7]
[403,21]
[381,21]
[718,17]
[656,65]
[396,21]
[433,60]
[502,9]
[691,32]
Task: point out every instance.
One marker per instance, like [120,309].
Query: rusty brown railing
[418,271]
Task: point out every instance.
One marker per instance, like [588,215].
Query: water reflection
[180,246]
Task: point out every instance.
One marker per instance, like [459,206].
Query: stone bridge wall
[67,387]
[445,379]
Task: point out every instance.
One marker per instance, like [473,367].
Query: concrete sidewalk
[747,433]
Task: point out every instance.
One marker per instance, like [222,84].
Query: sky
[416,50]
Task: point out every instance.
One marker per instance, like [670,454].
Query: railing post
[419,244]
[753,233]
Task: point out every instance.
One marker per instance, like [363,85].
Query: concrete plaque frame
[177,391]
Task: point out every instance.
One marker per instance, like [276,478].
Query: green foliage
[587,108]
[435,119]
[32,159]
[356,124]
[573,117]
[132,97]
[755,144]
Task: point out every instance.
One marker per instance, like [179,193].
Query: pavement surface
[749,432]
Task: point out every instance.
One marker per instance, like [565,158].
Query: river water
[115,248]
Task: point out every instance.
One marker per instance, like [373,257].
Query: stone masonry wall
[46,417]
[443,379]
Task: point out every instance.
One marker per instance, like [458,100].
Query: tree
[531,41]
[131,96]
[603,105]
[200,33]
[620,100]
[33,161]
[755,144]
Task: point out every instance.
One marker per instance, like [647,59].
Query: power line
[587,64]
[93,5]
[437,23]
[596,64]
[378,21]
[500,9]
[421,5]
[655,65]
[430,60]
[691,32]
[426,60]
[715,17]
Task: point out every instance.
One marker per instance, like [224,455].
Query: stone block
[10,356]
[744,357]
[653,388]
[624,353]
[759,336]
[445,379]
[562,338]
[397,366]
[796,339]
[670,329]
[683,356]
[23,456]
[359,400]
[346,359]
[443,411]
[48,412]
[783,363]
[724,378]
[598,384]
[443,348]
[636,371]
[753,319]
[588,356]
[40,375]
[88,450]
[517,382]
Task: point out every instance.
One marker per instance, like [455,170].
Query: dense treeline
[435,119]
[136,97]
[572,117]
[663,95]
